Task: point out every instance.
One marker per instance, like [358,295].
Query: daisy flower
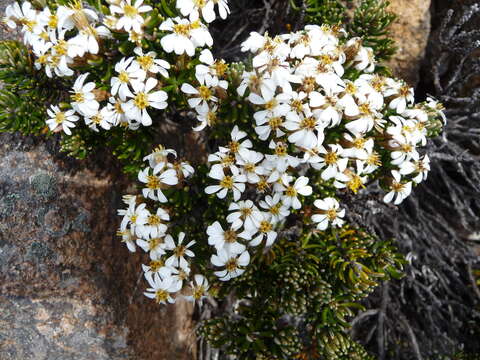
[83,99]
[291,192]
[331,161]
[226,239]
[244,213]
[150,64]
[265,231]
[234,182]
[159,179]
[160,288]
[198,288]
[155,225]
[274,206]
[179,251]
[330,213]
[144,97]
[61,120]
[128,71]
[398,190]
[185,36]
[233,264]
[131,18]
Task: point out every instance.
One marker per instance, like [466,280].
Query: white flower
[206,115]
[402,95]
[144,97]
[161,288]
[330,213]
[420,168]
[214,68]
[351,179]
[131,18]
[226,239]
[398,190]
[155,225]
[223,8]
[128,72]
[61,120]
[277,210]
[157,267]
[149,63]
[83,98]
[332,160]
[305,129]
[185,36]
[160,179]
[155,246]
[192,9]
[236,147]
[128,238]
[327,106]
[249,160]
[291,192]
[199,288]
[159,156]
[265,231]
[360,147]
[234,182]
[204,93]
[179,251]
[244,213]
[134,216]
[234,264]
[86,41]
[102,117]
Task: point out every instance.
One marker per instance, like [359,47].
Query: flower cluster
[324,116]
[169,267]
[65,39]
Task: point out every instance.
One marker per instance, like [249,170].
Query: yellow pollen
[355,183]
[265,227]
[326,59]
[308,123]
[179,251]
[231,265]
[350,88]
[230,236]
[78,97]
[153,182]
[97,119]
[228,160]
[234,146]
[374,159]
[404,91]
[42,59]
[378,83]
[331,214]
[133,219]
[123,77]
[44,36]
[275,122]
[130,11]
[156,265]
[309,84]
[297,105]
[220,68]
[204,92]
[227,182]
[154,220]
[331,158]
[407,148]
[365,109]
[198,292]
[397,187]
[249,167]
[275,209]
[154,242]
[61,48]
[59,117]
[141,101]
[52,21]
[291,192]
[281,150]
[30,24]
[195,25]
[211,118]
[271,104]
[262,185]
[161,295]
[118,108]
[359,143]
[181,29]
[145,62]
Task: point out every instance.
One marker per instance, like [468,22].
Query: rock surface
[69,288]
[410,31]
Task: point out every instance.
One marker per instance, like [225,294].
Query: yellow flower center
[291,192]
[355,183]
[182,29]
[123,77]
[154,242]
[331,214]
[161,295]
[179,251]
[397,187]
[280,150]
[359,143]
[130,11]
[156,265]
[234,146]
[265,227]
[308,123]
[145,61]
[204,92]
[365,109]
[297,105]
[231,265]
[78,97]
[404,91]
[227,182]
[331,158]
[59,117]
[230,236]
[275,122]
[61,48]
[141,101]
[220,68]
[154,220]
[271,104]
[153,182]
[249,167]
[350,88]
[275,209]
[198,292]
[133,219]
[374,159]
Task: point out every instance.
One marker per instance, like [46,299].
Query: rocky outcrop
[410,31]
[69,289]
